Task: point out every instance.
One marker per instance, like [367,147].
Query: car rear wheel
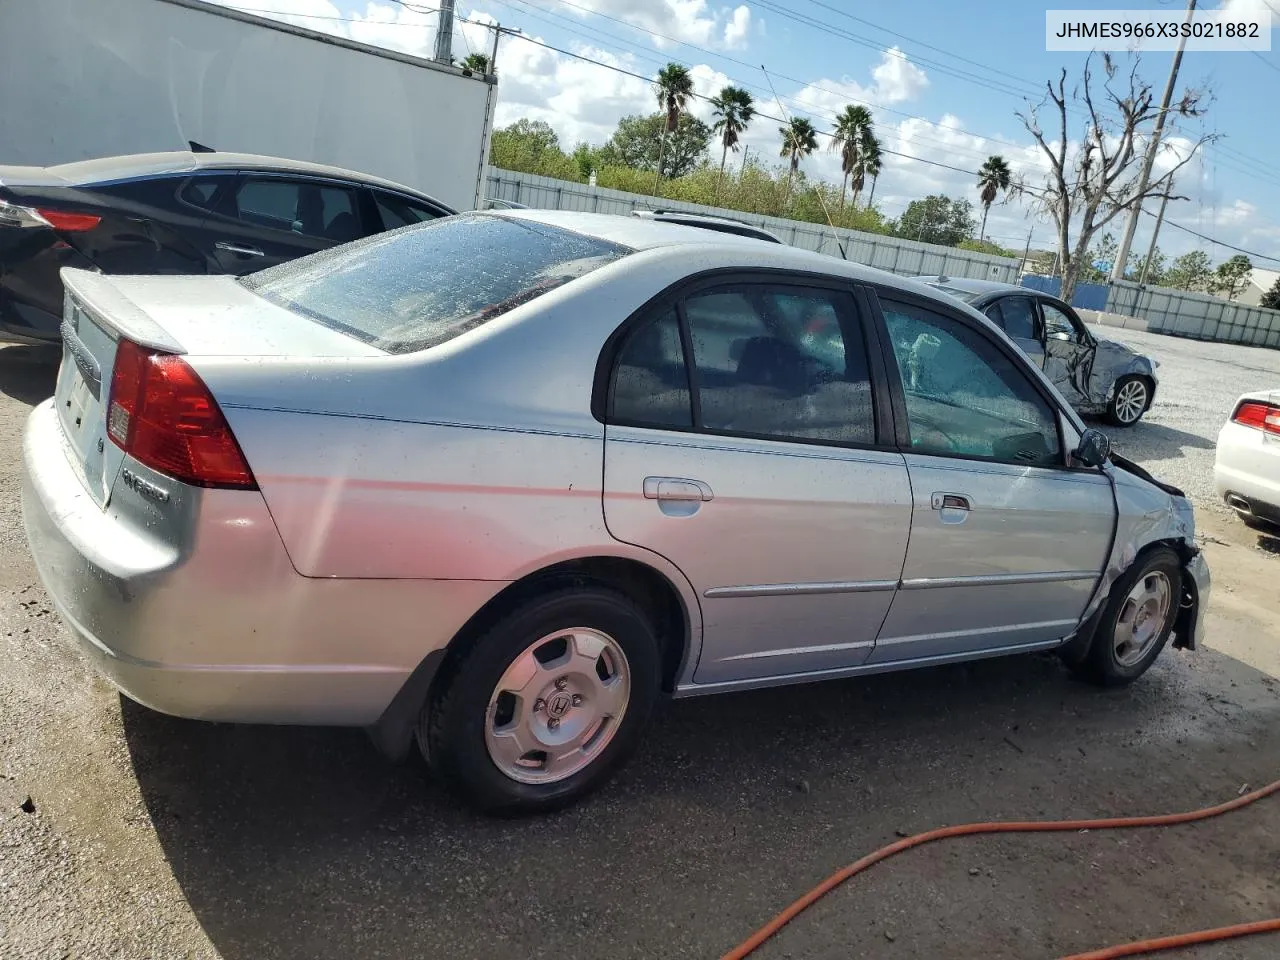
[1137,620]
[1132,397]
[544,707]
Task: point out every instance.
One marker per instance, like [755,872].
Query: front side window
[777,361]
[415,289]
[1057,325]
[964,396]
[399,212]
[1019,316]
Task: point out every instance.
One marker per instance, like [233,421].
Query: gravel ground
[124,833]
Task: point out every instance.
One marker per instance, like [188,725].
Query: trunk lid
[205,316]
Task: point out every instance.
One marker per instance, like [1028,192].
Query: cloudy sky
[943,80]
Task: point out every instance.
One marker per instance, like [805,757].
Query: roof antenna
[199,147]
[825,211]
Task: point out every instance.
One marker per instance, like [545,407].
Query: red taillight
[69,222]
[1259,415]
[161,414]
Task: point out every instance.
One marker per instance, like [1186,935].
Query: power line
[1216,243]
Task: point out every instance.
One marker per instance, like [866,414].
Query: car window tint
[651,380]
[771,361]
[964,396]
[325,212]
[1057,325]
[398,212]
[200,191]
[413,289]
[1019,317]
[994,314]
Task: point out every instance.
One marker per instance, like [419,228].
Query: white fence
[903,257]
[1195,315]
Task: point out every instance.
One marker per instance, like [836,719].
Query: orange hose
[753,943]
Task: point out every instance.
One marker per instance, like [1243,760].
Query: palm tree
[853,126]
[476,63]
[733,107]
[872,160]
[993,177]
[674,88]
[799,139]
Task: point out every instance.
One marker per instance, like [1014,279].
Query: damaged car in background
[496,483]
[1099,377]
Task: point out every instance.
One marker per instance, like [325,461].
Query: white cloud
[735,31]
[1252,10]
[897,78]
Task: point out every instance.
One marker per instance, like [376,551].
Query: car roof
[643,233]
[130,166]
[698,219]
[970,285]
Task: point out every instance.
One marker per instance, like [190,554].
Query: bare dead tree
[1086,188]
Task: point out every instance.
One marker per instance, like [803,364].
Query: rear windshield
[422,285]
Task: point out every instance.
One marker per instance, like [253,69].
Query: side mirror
[1094,449]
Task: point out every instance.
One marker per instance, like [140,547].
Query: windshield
[422,285]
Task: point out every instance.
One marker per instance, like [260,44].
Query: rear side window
[782,362]
[201,191]
[420,287]
[299,206]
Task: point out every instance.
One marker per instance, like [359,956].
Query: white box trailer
[94,78]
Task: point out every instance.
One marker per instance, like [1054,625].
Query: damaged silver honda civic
[494,484]
[1098,377]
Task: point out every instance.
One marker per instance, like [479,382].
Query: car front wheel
[1132,397]
[1137,620]
[541,709]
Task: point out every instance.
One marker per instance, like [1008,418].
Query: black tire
[451,729]
[1102,665]
[1113,413]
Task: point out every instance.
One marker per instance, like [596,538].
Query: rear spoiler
[99,295]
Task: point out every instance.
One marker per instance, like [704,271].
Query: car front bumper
[222,627]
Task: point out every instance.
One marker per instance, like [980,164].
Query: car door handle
[675,488]
[950,501]
[238,249]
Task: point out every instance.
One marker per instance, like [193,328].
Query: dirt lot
[147,836]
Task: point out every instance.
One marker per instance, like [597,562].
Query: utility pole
[444,33]
[745,151]
[1151,250]
[1026,252]
[1122,254]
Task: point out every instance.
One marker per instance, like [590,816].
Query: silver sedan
[496,483]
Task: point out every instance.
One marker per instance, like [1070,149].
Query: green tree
[733,109]
[674,88]
[985,246]
[994,178]
[1271,299]
[1154,272]
[872,163]
[475,63]
[643,142]
[1191,271]
[799,139]
[531,146]
[1232,277]
[936,219]
[1103,253]
[853,128]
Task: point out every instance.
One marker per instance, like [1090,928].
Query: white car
[1247,470]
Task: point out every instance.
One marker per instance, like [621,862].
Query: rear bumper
[1247,465]
[228,631]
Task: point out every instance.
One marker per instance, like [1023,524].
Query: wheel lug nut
[561,683]
[539,705]
[553,724]
[577,700]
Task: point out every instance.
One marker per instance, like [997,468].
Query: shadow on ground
[1154,441]
[29,374]
[303,843]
